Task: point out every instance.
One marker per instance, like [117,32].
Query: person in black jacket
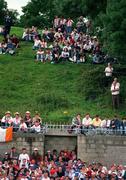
[8,24]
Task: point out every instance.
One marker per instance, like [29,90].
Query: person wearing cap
[36,156]
[7,120]
[115,91]
[28,119]
[16,121]
[6,157]
[36,117]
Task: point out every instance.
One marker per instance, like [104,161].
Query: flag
[6,135]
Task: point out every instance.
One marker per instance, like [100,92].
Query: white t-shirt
[22,157]
[86,122]
[108,71]
[115,88]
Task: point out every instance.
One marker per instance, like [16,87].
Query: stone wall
[104,149]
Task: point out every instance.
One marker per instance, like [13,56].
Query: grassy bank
[57,91]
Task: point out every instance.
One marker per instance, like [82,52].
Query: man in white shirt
[108,70]
[24,158]
[115,90]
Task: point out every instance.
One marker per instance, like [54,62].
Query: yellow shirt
[96,122]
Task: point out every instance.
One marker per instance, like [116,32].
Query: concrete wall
[60,142]
[104,149]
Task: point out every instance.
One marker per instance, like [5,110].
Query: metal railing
[69,129]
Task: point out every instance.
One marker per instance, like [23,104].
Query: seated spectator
[36,128]
[64,55]
[3,46]
[28,119]
[43,44]
[37,117]
[55,54]
[40,55]
[97,58]
[45,34]
[10,47]
[51,35]
[23,126]
[48,56]
[75,55]
[16,121]
[15,40]
[96,122]
[37,43]
[87,47]
[87,121]
[7,120]
[76,124]
[26,35]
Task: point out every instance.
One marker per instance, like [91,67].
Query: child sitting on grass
[3,47]
[40,55]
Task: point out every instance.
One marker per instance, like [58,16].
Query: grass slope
[54,89]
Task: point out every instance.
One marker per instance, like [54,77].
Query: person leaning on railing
[96,122]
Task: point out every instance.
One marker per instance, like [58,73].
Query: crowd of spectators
[87,123]
[65,41]
[80,124]
[23,124]
[9,44]
[55,165]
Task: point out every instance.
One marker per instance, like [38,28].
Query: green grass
[54,89]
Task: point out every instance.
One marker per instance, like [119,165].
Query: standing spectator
[8,24]
[14,154]
[108,74]
[69,24]
[23,157]
[56,23]
[109,70]
[115,90]
[36,156]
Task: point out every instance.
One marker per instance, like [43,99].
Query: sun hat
[16,113]
[8,112]
[27,112]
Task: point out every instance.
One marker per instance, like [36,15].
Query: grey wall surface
[104,149]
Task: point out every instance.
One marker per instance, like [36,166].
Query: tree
[3,8]
[114,32]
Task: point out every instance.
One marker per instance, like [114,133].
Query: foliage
[3,8]
[114,23]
